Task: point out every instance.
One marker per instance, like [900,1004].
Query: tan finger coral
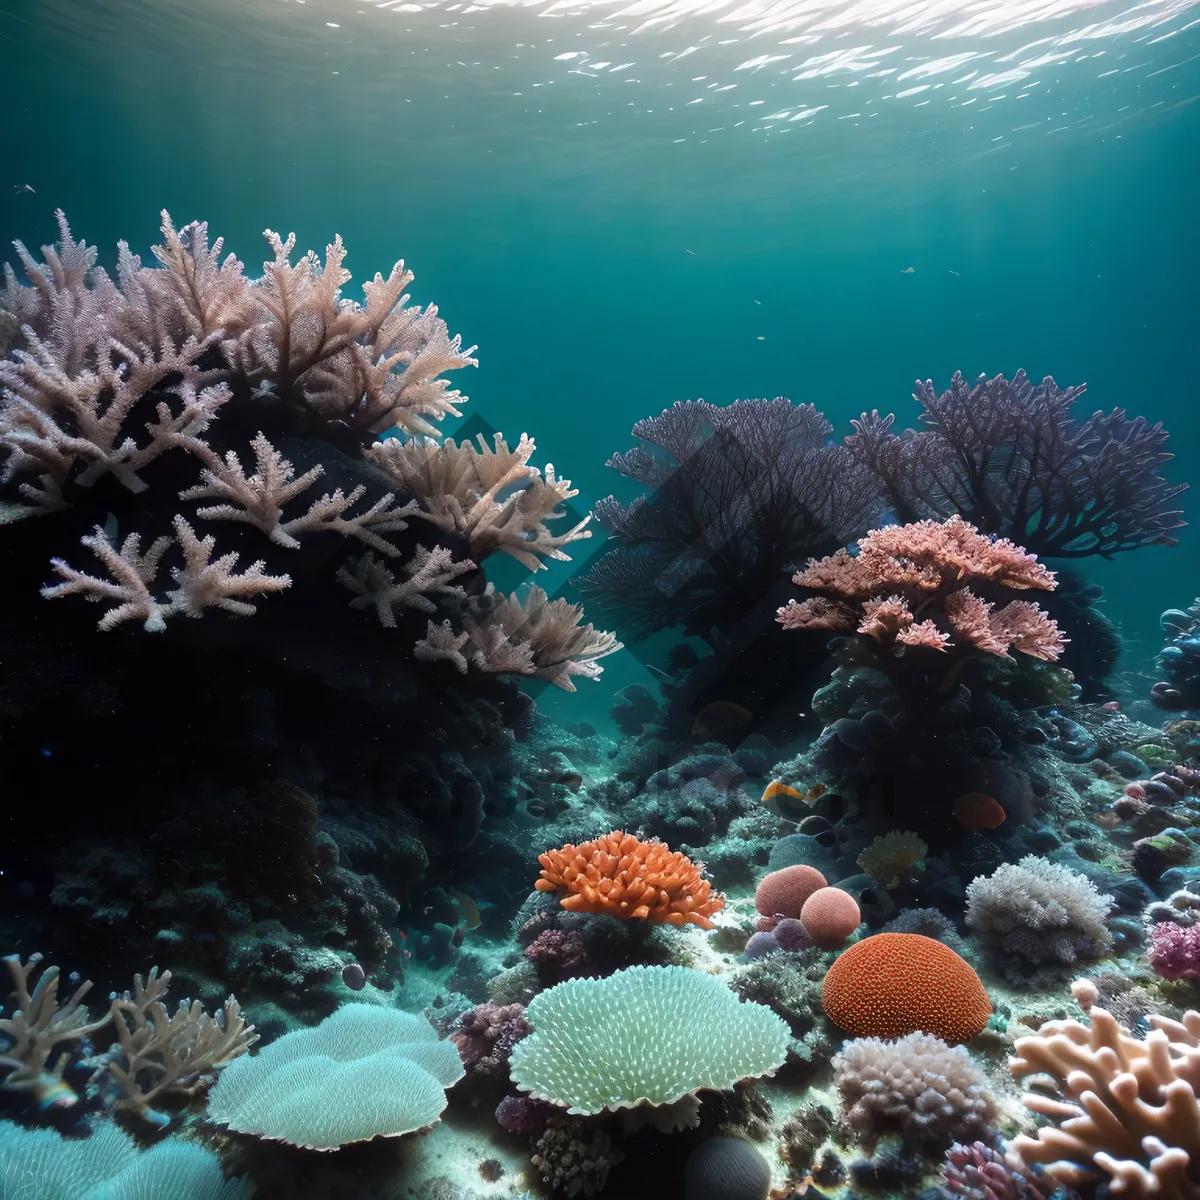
[1127,1113]
[623,877]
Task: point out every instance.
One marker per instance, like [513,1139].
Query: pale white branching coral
[95,347]
[1127,1112]
[427,572]
[258,500]
[918,1086]
[493,497]
[1036,912]
[370,366]
[201,582]
[536,636]
[442,644]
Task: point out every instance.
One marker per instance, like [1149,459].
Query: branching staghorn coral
[165,1054]
[226,367]
[534,636]
[736,497]
[918,586]
[37,1026]
[1007,456]
[493,497]
[1128,1113]
[154,1055]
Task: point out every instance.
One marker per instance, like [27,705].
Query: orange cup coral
[622,877]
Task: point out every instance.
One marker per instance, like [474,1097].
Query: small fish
[470,911]
[975,810]
[778,788]
[691,252]
[908,271]
[953,272]
[759,303]
[23,187]
[761,338]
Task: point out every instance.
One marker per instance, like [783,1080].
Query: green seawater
[615,240]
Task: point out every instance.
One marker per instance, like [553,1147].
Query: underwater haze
[792,791]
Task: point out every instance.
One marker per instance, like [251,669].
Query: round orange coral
[830,915]
[622,877]
[894,984]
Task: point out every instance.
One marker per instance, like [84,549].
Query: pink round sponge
[830,916]
[783,893]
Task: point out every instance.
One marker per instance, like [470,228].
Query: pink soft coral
[1175,950]
[911,586]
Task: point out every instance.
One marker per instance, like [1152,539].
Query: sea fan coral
[622,877]
[894,984]
[736,497]
[1007,456]
[1128,1113]
[910,586]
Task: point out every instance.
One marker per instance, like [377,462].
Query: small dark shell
[354,977]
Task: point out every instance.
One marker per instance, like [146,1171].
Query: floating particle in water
[908,271]
[354,977]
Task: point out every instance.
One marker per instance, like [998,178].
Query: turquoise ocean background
[613,248]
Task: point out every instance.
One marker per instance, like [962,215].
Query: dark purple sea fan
[737,497]
[1007,456]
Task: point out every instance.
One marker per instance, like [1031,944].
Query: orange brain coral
[895,984]
[622,877]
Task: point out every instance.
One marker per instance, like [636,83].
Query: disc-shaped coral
[894,984]
[622,877]
[645,1035]
[364,1072]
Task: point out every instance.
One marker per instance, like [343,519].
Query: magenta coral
[911,586]
[1174,950]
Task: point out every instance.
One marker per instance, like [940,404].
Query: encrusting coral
[1127,1113]
[622,877]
